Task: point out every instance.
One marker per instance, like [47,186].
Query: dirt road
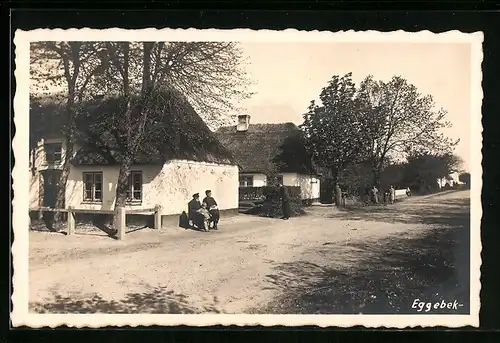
[369,260]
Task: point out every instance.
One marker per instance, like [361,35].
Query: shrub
[271,206]
[251,193]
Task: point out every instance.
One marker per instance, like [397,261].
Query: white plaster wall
[170,185]
[309,185]
[259,180]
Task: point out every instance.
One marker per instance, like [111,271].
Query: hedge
[271,204]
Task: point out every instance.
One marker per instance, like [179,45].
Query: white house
[257,147]
[168,178]
[451,180]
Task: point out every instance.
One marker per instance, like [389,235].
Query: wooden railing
[120,216]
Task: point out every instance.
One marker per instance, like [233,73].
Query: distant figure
[408,191]
[196,217]
[374,194]
[338,195]
[213,208]
[285,203]
[392,194]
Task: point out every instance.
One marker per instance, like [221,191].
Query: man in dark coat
[196,217]
[285,203]
[212,208]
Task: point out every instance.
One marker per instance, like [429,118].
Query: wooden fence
[120,216]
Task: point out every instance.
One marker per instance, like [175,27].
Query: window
[92,186]
[52,152]
[134,191]
[246,181]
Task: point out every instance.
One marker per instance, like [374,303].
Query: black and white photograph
[219,177]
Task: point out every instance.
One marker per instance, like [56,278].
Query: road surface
[370,260]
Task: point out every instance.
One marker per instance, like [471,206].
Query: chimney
[243,122]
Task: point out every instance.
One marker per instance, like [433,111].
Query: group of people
[204,215]
[389,195]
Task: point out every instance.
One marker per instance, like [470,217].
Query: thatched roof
[254,149]
[178,132]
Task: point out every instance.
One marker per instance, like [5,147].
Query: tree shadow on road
[382,276]
[159,300]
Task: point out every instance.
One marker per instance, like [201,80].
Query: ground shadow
[382,276]
[451,212]
[159,300]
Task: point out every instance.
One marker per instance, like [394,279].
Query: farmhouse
[185,159]
[259,147]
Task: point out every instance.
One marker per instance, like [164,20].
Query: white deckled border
[20,173]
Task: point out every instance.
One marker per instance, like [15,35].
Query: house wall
[309,185]
[259,180]
[37,164]
[170,185]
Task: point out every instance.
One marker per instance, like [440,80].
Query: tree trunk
[337,192]
[146,71]
[61,188]
[122,185]
[71,79]
[377,172]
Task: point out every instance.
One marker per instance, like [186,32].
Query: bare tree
[210,75]
[65,68]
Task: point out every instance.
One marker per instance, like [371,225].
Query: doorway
[50,186]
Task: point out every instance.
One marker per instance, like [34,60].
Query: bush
[271,207]
[251,193]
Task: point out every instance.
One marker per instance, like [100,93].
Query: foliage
[404,120]
[293,155]
[270,204]
[250,193]
[336,131]
[272,174]
[423,169]
[211,75]
[208,74]
[360,131]
[261,193]
[465,178]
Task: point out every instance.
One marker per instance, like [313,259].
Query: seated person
[206,216]
[212,208]
[194,216]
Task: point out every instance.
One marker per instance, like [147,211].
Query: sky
[287,76]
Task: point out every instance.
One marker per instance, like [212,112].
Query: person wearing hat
[196,217]
[212,208]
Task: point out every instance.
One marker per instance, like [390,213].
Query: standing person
[193,207]
[212,208]
[285,203]
[392,194]
[374,193]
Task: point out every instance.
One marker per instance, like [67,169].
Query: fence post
[40,214]
[121,222]
[71,222]
[157,224]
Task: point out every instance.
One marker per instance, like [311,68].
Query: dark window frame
[51,150]
[132,191]
[93,191]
